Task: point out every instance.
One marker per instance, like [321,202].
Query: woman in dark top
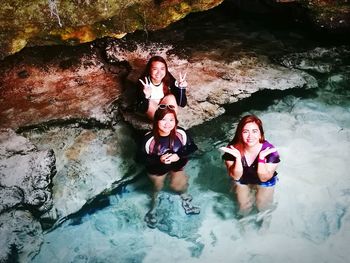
[251,162]
[165,150]
[158,86]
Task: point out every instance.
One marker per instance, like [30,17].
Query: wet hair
[237,140]
[167,78]
[159,115]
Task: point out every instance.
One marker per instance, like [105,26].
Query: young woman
[251,162]
[158,86]
[165,150]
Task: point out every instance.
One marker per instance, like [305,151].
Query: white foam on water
[311,221]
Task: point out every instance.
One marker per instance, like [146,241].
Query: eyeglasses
[164,106]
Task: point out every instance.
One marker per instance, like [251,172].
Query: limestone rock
[21,236]
[58,84]
[70,22]
[320,60]
[29,175]
[214,80]
[25,191]
[90,163]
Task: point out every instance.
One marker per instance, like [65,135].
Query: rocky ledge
[26,196]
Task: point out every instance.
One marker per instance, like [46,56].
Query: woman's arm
[179,92]
[266,170]
[187,149]
[234,169]
[234,164]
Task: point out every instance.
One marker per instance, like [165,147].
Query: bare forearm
[235,169]
[266,171]
[263,173]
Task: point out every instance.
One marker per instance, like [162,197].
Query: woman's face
[157,72]
[251,134]
[166,124]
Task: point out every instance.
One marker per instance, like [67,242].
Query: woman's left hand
[182,81]
[266,152]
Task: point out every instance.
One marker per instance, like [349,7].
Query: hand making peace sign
[182,81]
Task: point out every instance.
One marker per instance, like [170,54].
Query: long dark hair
[159,115]
[167,78]
[237,140]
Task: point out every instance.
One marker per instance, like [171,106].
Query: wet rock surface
[90,162]
[26,197]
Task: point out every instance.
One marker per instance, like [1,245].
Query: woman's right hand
[146,87]
[232,150]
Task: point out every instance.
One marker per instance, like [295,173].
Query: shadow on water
[103,200]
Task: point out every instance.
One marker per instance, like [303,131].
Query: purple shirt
[250,175]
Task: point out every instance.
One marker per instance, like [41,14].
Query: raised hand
[146,87]
[182,80]
[231,150]
[266,152]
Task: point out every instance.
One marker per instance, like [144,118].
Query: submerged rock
[90,163]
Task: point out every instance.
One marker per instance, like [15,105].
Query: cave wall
[70,22]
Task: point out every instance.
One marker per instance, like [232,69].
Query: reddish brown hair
[237,140]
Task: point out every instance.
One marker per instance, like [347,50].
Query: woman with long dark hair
[165,150]
[251,162]
[158,86]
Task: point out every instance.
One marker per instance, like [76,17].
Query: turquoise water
[311,219]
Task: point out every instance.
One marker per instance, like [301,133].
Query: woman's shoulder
[273,157]
[181,134]
[148,135]
[267,144]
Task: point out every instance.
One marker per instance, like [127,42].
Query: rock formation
[48,22]
[26,196]
[52,22]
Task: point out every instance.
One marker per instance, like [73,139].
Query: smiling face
[157,72]
[251,134]
[166,124]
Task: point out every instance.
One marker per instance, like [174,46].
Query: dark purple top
[151,151]
[250,175]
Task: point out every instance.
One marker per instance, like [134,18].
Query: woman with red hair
[251,162]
